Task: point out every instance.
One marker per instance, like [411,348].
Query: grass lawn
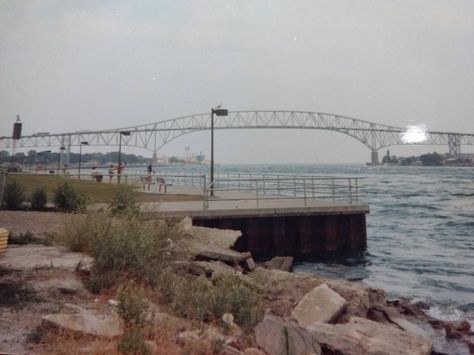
[96,192]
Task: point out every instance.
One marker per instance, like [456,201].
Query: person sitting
[96,176]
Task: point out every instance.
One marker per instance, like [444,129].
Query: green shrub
[14,196]
[122,248]
[132,307]
[125,202]
[79,232]
[38,200]
[67,199]
[133,342]
[203,300]
[21,239]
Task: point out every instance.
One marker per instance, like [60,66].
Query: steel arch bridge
[154,136]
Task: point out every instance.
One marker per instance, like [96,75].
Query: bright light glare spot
[414,134]
[295,38]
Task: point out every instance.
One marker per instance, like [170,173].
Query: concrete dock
[311,229]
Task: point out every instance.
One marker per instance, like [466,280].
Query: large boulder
[356,295]
[212,244]
[321,304]
[278,337]
[85,322]
[361,336]
[203,237]
[394,317]
[284,263]
[33,257]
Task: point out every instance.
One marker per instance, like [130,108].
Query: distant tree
[407,161]
[433,159]
[174,160]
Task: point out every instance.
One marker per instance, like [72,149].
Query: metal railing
[273,187]
[243,186]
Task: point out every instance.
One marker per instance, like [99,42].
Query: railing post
[264,189]
[304,191]
[357,190]
[205,201]
[312,186]
[294,185]
[333,188]
[350,190]
[256,191]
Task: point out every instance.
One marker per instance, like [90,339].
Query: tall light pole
[218,111]
[61,152]
[44,152]
[46,160]
[119,167]
[80,156]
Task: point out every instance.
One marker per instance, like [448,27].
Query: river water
[420,232]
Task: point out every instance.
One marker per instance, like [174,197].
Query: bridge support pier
[374,158]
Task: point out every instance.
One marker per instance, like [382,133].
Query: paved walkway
[236,201]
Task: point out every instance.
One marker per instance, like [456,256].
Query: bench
[147,180]
[161,182]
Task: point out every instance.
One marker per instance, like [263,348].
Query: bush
[79,232]
[14,196]
[133,342]
[124,248]
[132,307]
[38,200]
[124,202]
[21,239]
[203,300]
[67,199]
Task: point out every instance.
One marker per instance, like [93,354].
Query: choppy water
[420,232]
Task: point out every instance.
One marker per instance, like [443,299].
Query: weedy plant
[38,200]
[203,300]
[14,196]
[122,248]
[67,199]
[124,203]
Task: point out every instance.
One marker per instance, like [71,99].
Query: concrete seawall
[318,230]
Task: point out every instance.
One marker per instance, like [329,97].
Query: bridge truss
[154,136]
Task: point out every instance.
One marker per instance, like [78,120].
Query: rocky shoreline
[303,313]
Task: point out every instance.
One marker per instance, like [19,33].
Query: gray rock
[396,318]
[275,336]
[32,257]
[227,256]
[249,264]
[356,295]
[86,322]
[364,337]
[321,304]
[203,238]
[253,351]
[284,263]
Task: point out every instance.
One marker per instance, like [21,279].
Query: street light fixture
[61,152]
[80,156]
[119,167]
[218,111]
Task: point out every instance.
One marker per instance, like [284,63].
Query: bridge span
[154,136]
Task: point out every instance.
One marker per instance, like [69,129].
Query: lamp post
[46,160]
[80,156]
[119,167]
[61,152]
[218,111]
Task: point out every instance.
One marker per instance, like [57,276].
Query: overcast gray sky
[90,64]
